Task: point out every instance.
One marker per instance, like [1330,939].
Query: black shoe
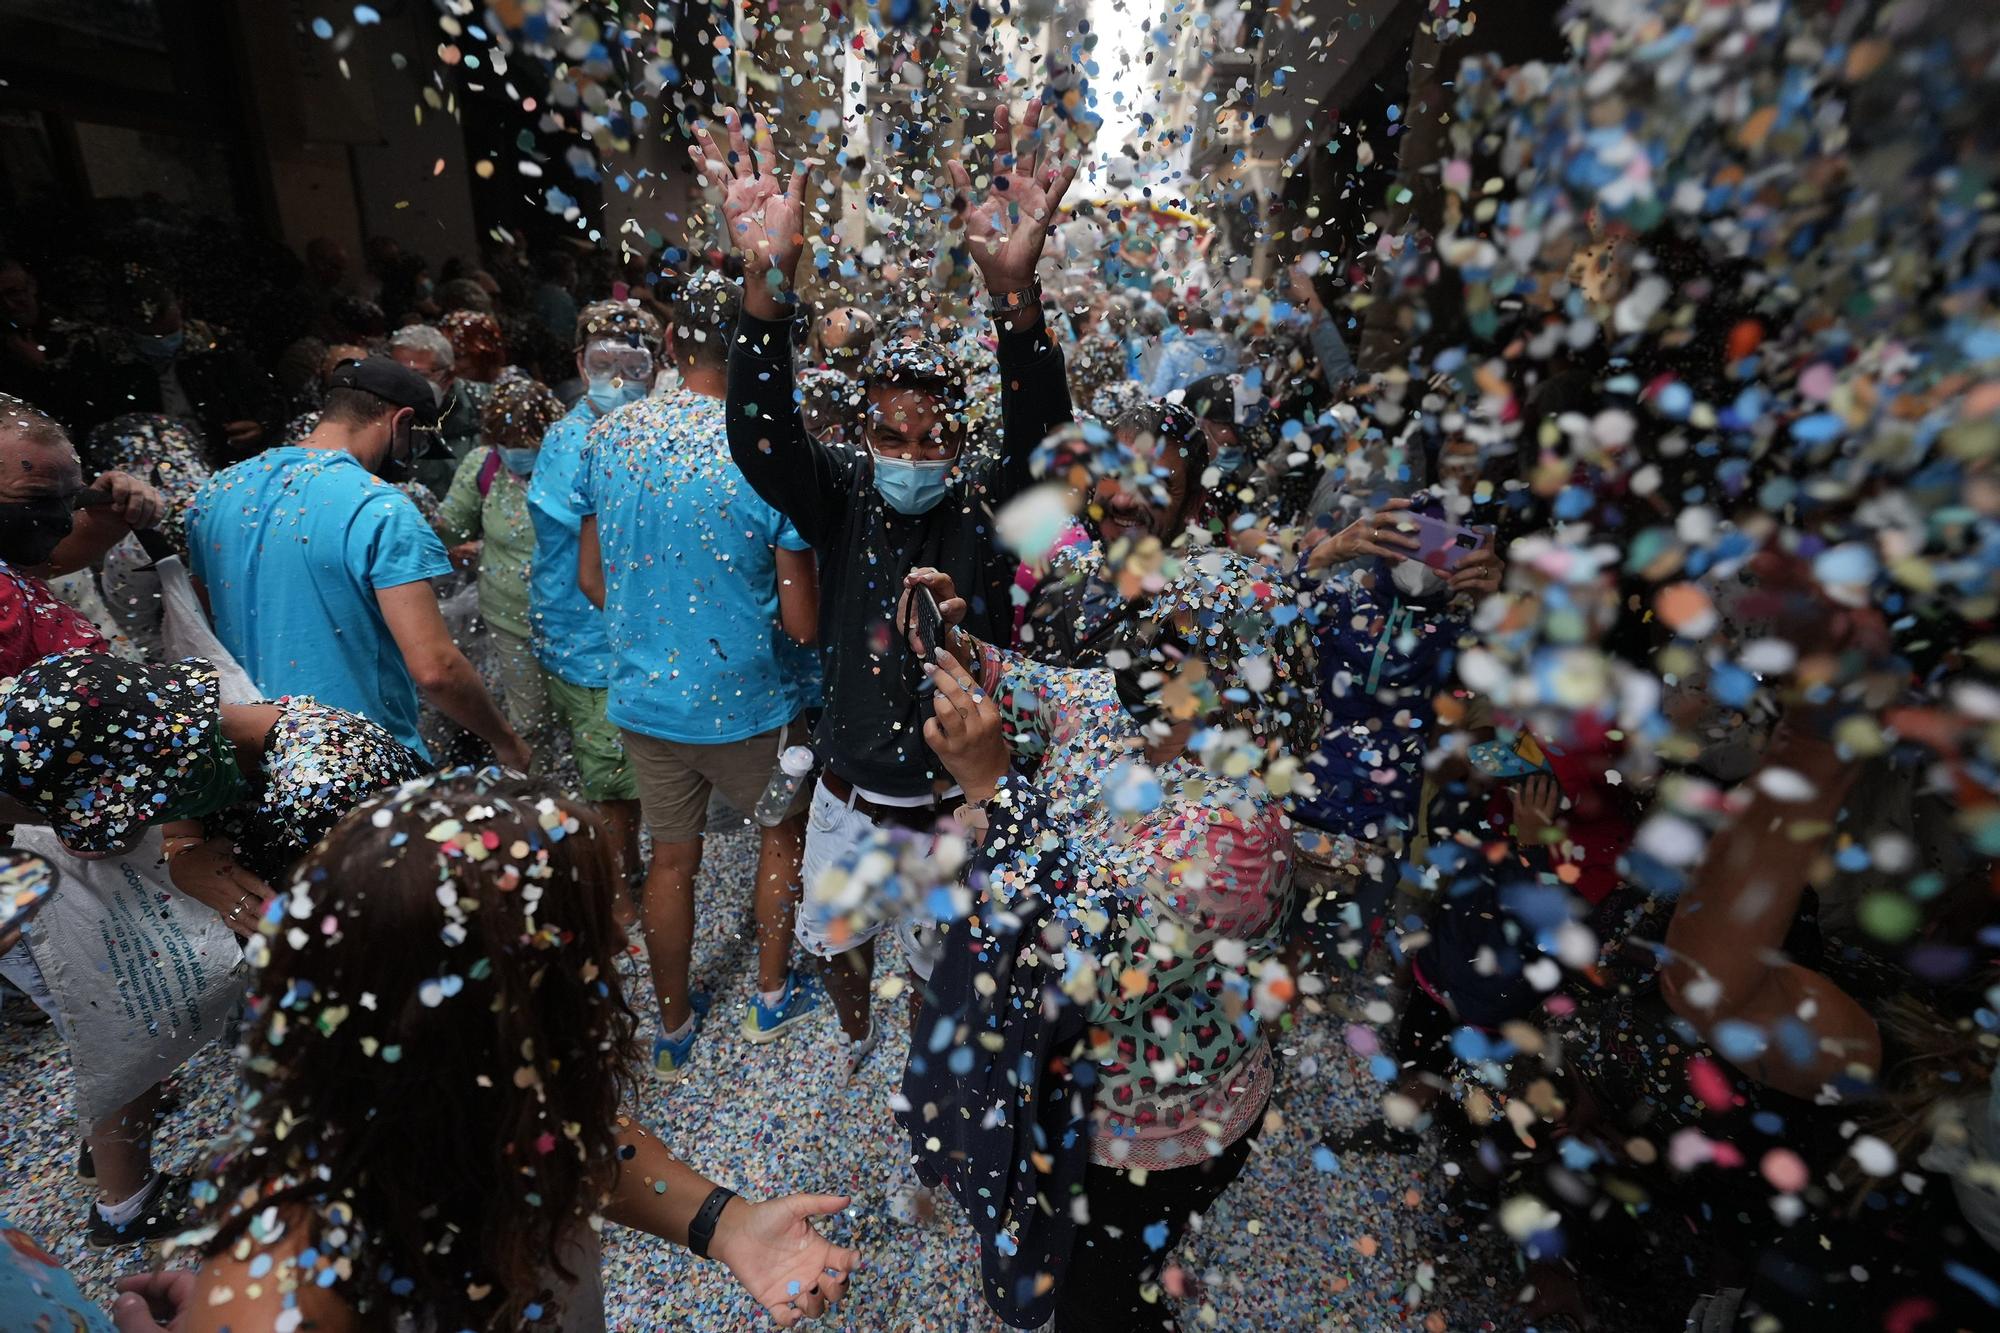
[17,1010]
[86,1165]
[1373,1139]
[165,1214]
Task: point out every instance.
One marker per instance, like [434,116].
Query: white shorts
[836,835]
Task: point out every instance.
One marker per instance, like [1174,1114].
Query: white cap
[797,760]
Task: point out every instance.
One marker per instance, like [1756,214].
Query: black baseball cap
[392,382]
[1213,398]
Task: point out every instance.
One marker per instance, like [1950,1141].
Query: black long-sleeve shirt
[871,732]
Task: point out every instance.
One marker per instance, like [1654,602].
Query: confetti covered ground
[1292,1246]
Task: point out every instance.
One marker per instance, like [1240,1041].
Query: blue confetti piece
[1325,1161]
[1156,1236]
[1739,1042]
[1577,1155]
[1732,685]
[1973,1281]
[366,15]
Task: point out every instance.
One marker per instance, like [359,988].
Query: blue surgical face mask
[609,393]
[1230,460]
[911,487]
[159,349]
[520,462]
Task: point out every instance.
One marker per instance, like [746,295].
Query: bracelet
[1014,302]
[702,1229]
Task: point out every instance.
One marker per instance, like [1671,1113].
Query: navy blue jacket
[996,1100]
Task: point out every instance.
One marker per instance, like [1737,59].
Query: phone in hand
[926,621]
[91,498]
[1441,544]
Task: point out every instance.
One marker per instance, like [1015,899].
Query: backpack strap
[488,471]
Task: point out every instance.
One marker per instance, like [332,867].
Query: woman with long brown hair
[430,1135]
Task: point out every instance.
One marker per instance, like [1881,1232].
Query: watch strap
[1014,302]
[702,1230]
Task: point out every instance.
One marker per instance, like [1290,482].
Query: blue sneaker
[764,1023]
[671,1058]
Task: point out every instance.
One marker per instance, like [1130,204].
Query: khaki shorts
[601,761]
[677,777]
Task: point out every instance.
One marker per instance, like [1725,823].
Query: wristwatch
[702,1229]
[1014,302]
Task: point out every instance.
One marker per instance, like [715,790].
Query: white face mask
[1413,578]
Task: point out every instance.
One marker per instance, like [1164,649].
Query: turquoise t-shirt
[569,633]
[690,577]
[293,545]
[37,1292]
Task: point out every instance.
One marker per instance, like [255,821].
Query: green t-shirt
[499,520]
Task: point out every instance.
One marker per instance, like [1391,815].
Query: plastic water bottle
[794,766]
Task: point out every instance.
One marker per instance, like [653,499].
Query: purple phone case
[1442,545]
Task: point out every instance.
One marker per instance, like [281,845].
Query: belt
[922,818]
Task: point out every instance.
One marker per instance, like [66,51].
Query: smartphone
[1441,544]
[26,881]
[927,621]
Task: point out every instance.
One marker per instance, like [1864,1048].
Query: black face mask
[30,530]
[397,467]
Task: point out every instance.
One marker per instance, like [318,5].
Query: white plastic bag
[131,588]
[144,975]
[185,632]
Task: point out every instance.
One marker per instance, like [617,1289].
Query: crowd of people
[1122,652]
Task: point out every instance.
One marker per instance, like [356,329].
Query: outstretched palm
[1007,228]
[789,1268]
[764,218]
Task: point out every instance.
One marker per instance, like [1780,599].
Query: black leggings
[1101,1291]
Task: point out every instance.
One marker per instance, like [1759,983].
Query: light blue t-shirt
[1189,358]
[569,634]
[36,1291]
[690,578]
[293,546]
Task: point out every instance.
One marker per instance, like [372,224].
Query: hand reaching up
[765,218]
[1009,226]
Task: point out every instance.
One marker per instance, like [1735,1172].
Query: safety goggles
[617,360]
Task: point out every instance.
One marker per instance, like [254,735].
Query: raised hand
[966,731]
[1007,228]
[1536,803]
[765,218]
[951,609]
[1478,575]
[1378,533]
